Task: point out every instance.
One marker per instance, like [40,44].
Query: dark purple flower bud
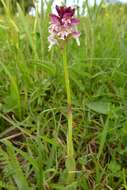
[64,10]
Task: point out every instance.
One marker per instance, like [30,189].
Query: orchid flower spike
[63,26]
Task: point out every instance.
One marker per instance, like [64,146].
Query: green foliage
[33,121]
[11,5]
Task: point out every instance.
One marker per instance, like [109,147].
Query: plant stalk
[70,161]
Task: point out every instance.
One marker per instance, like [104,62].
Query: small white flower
[52,41]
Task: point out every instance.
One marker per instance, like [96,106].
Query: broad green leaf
[114,167]
[99,107]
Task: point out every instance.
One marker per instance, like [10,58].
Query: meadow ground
[33,122]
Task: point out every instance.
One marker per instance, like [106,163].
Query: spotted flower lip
[63,25]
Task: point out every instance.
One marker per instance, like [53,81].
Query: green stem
[70,162]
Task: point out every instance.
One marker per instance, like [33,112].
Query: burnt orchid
[63,26]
